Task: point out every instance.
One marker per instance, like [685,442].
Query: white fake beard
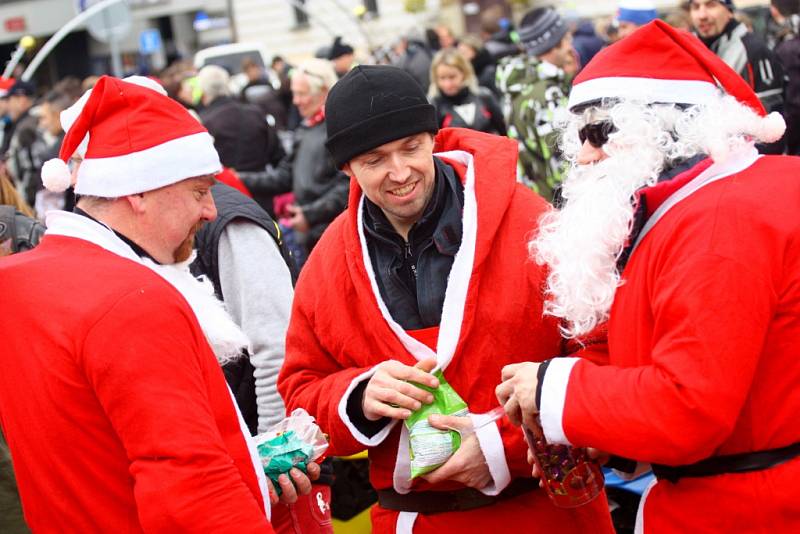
[223,334]
[581,242]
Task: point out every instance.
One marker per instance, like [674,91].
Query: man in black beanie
[341,55]
[426,270]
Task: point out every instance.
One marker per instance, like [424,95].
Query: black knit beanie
[373,105]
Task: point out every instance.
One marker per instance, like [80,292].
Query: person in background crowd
[414,56]
[21,135]
[497,33]
[118,417]
[633,14]
[471,47]
[405,266]
[743,51]
[535,85]
[320,190]
[445,35]
[679,18]
[459,102]
[46,147]
[341,56]
[586,42]
[242,136]
[787,14]
[262,90]
[680,235]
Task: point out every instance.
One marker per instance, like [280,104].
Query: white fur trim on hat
[149,169]
[644,90]
[56,176]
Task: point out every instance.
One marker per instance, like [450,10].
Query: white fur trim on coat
[554,396]
[491,443]
[378,438]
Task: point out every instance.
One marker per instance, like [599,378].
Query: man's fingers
[451,422]
[397,399]
[504,391]
[273,495]
[374,410]
[314,470]
[529,419]
[289,494]
[301,481]
[512,410]
[509,371]
[426,365]
[412,391]
[400,371]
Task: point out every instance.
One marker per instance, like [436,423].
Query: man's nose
[590,154]
[399,171]
[209,212]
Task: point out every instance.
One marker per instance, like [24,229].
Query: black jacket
[319,188]
[468,110]
[788,51]
[242,136]
[412,276]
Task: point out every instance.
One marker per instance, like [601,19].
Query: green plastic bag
[430,447]
[293,442]
[281,453]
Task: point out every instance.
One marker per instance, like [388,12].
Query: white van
[230,57]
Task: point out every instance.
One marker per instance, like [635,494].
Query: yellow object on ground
[360,524]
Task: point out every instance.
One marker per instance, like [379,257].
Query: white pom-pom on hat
[771,128]
[56,176]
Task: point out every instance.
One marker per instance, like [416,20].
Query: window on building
[372,7]
[300,15]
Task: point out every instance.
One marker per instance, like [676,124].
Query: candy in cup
[569,476]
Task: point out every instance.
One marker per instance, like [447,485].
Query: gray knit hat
[541,30]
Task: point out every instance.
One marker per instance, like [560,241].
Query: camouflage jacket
[532,92]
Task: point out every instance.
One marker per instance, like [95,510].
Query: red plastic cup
[569,476]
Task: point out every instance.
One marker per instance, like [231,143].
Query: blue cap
[637,12]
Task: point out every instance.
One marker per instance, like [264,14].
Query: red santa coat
[703,351]
[340,330]
[115,409]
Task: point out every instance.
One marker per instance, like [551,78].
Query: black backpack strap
[275,231]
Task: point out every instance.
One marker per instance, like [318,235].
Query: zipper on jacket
[410,255]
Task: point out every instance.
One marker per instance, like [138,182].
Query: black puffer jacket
[242,136]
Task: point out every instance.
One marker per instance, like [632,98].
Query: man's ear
[137,202]
[347,170]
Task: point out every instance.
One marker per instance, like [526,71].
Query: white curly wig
[581,242]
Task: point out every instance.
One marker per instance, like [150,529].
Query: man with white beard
[115,410]
[687,242]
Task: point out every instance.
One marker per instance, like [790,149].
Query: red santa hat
[660,64]
[138,140]
[5,85]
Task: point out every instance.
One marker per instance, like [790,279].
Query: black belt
[732,463]
[436,502]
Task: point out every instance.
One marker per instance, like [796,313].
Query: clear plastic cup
[569,476]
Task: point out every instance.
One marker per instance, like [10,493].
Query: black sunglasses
[597,133]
